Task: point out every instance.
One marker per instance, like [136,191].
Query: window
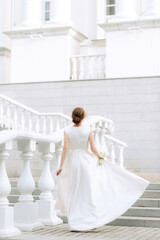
[47,10]
[110,7]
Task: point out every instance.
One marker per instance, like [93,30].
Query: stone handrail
[87,67]
[14,115]
[114,145]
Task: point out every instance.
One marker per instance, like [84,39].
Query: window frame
[107,6]
[47,11]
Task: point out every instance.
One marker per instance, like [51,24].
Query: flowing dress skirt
[91,195]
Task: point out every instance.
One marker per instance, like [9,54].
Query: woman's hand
[101,156]
[59,171]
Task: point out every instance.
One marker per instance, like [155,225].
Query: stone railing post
[7,228]
[26,217]
[112,152]
[102,139]
[46,212]
[96,136]
[120,159]
[56,164]
[1,112]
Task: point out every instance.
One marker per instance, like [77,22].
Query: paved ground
[61,232]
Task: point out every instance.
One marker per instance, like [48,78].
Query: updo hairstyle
[78,114]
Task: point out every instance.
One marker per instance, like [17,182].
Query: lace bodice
[78,136]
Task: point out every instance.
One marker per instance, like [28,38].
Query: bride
[88,194]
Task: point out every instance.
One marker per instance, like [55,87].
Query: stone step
[147,202]
[130,221]
[14,198]
[14,191]
[151,194]
[136,221]
[153,186]
[14,183]
[143,212]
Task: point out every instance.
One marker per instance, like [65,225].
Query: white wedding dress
[91,195]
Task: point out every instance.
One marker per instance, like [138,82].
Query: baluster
[8,115]
[74,68]
[81,68]
[46,204]
[26,216]
[22,119]
[68,122]
[96,136]
[50,124]
[120,156]
[65,122]
[103,73]
[107,150]
[37,123]
[99,65]
[7,228]
[102,140]
[1,113]
[57,124]
[91,66]
[56,164]
[95,67]
[112,153]
[15,117]
[110,128]
[44,124]
[87,75]
[30,122]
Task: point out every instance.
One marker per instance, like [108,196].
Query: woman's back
[78,136]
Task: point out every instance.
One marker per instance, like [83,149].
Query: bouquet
[100,161]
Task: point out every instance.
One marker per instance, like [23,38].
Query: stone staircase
[144,213]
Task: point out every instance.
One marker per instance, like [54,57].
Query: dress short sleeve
[66,129]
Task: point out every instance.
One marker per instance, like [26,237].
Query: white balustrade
[30,122]
[29,215]
[8,114]
[37,122]
[7,228]
[112,153]
[22,119]
[1,113]
[44,124]
[102,139]
[96,67]
[81,68]
[15,117]
[46,204]
[26,186]
[120,160]
[88,67]
[56,163]
[74,68]
[57,124]
[51,128]
[96,136]
[116,150]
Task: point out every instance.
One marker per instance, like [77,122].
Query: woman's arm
[93,148]
[64,153]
